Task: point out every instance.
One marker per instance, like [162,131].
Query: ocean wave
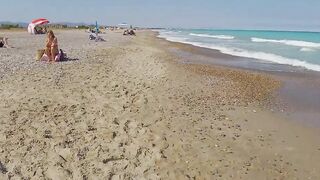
[307,49]
[173,39]
[213,36]
[268,57]
[168,32]
[288,42]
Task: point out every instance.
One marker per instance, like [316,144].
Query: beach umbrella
[97,27]
[35,23]
[40,21]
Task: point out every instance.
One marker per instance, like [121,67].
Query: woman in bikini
[52,46]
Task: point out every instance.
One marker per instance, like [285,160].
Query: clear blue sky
[238,14]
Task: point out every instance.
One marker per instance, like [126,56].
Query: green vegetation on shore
[9,26]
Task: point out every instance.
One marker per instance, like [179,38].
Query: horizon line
[190,28]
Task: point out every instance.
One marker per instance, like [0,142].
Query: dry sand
[128,109]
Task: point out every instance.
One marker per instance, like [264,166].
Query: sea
[296,49]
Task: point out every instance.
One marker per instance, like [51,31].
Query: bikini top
[54,42]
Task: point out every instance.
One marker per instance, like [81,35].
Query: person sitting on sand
[132,33]
[51,46]
[125,32]
[4,42]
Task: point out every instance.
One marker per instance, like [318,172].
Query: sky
[222,14]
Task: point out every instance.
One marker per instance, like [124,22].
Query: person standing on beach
[51,46]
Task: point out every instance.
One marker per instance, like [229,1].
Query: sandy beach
[131,108]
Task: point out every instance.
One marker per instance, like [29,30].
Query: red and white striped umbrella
[40,21]
[36,22]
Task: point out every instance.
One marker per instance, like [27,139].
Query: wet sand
[128,108]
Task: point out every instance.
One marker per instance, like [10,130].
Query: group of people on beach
[51,50]
[129,32]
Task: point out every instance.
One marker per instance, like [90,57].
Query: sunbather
[95,37]
[51,46]
[4,42]
[125,32]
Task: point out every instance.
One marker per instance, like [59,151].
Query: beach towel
[44,58]
[59,57]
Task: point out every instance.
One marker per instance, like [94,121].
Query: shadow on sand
[68,59]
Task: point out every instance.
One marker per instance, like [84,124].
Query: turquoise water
[300,49]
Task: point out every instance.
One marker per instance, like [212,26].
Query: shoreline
[270,119]
[258,58]
[298,95]
[128,108]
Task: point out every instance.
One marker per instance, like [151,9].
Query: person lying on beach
[4,42]
[52,46]
[95,37]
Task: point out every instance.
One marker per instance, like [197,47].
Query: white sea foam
[307,49]
[268,57]
[173,39]
[264,56]
[288,42]
[213,36]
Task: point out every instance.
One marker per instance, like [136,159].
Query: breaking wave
[288,42]
[249,54]
[213,36]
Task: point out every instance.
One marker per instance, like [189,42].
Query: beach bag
[61,56]
[40,53]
